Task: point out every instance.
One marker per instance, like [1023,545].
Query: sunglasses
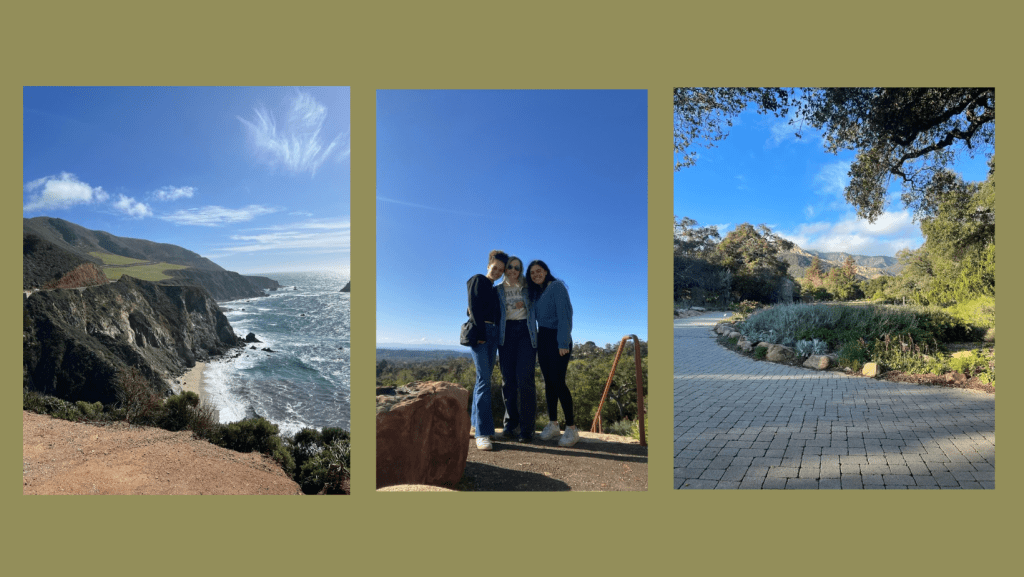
[513,267]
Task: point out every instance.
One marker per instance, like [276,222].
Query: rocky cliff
[222,284]
[45,265]
[262,282]
[76,340]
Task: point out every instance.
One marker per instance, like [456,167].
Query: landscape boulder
[422,435]
[870,370]
[779,353]
[818,362]
[745,345]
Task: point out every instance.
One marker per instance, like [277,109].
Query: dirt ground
[596,463]
[64,458]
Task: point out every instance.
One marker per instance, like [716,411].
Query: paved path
[745,424]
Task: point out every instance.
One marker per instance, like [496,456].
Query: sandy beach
[192,380]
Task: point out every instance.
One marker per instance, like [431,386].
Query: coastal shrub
[142,404]
[326,471]
[91,411]
[249,435]
[49,405]
[177,411]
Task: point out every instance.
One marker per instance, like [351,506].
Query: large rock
[422,435]
[819,362]
[779,353]
[870,370]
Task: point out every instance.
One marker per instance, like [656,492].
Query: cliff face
[47,265]
[223,285]
[76,340]
[262,282]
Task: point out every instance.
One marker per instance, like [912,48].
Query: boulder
[818,362]
[701,309]
[251,337]
[734,335]
[870,370]
[422,431]
[745,346]
[779,353]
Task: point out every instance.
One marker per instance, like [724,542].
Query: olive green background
[512,45]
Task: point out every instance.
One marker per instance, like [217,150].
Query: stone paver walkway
[745,424]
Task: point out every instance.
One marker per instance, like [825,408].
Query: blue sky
[559,176]
[762,174]
[255,179]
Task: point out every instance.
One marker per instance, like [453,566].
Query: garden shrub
[760,352]
[853,354]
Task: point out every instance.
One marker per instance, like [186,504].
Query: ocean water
[305,381]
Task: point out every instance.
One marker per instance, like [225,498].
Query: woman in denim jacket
[517,354]
[550,305]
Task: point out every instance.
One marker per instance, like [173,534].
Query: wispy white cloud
[310,237]
[832,179]
[132,207]
[886,236]
[809,211]
[62,191]
[295,143]
[173,192]
[425,207]
[786,129]
[216,215]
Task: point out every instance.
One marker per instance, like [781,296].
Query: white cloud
[832,179]
[309,237]
[63,191]
[132,207]
[892,232]
[216,215]
[296,143]
[809,211]
[173,192]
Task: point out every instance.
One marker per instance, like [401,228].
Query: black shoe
[506,434]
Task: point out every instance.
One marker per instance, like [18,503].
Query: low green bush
[760,352]
[249,435]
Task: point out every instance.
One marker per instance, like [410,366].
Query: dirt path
[64,458]
[596,463]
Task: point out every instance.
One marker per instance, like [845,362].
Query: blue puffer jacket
[531,317]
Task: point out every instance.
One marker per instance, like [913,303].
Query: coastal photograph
[186,290]
[834,287]
[511,290]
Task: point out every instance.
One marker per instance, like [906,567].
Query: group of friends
[523,320]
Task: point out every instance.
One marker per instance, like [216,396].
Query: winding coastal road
[745,424]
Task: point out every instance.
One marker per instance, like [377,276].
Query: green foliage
[91,411]
[751,253]
[322,459]
[760,352]
[853,354]
[249,435]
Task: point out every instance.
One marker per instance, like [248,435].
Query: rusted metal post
[596,427]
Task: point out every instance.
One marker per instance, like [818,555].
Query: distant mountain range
[868,267]
[55,249]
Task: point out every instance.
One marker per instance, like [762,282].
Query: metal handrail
[595,427]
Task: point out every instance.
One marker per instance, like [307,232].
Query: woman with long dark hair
[484,312]
[552,309]
[517,353]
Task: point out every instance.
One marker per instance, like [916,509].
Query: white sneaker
[483,443]
[569,438]
[550,431]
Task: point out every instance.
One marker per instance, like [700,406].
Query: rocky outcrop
[422,434]
[222,284]
[77,340]
[347,288]
[263,283]
[46,265]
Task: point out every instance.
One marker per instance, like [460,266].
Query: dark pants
[554,366]
[517,359]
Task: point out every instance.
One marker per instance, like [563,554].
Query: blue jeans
[484,355]
[518,360]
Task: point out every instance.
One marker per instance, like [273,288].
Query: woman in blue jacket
[550,304]
[517,353]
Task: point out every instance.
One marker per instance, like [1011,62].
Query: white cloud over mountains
[889,234]
[216,215]
[132,207]
[62,191]
[295,143]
